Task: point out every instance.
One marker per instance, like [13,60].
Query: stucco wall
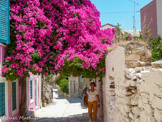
[114,75]
[73,86]
[159,16]
[132,91]
[76,86]
[149,18]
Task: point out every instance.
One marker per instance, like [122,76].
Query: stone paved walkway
[62,110]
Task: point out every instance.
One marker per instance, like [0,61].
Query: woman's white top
[92,96]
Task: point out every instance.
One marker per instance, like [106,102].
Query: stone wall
[99,85]
[132,91]
[47,94]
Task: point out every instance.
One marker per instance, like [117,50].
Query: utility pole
[134,17]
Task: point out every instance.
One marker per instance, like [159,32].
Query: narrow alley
[62,109]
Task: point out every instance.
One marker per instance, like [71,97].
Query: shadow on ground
[62,109]
[74,118]
[58,95]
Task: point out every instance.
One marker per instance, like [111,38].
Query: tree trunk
[101,97]
[22,107]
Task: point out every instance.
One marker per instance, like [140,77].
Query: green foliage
[75,68]
[121,34]
[49,78]
[10,76]
[136,38]
[35,56]
[156,47]
[147,31]
[118,32]
[72,67]
[62,76]
[64,85]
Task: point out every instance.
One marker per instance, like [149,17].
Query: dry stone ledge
[136,63]
[157,64]
[137,54]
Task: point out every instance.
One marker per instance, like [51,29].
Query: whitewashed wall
[73,86]
[114,75]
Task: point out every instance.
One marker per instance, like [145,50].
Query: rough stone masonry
[132,90]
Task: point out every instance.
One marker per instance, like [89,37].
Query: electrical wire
[134,2]
[121,12]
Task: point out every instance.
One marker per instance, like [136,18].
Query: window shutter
[31,89]
[13,95]
[35,92]
[4,22]
[2,99]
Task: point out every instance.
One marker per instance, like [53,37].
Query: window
[15,99]
[4,22]
[31,89]
[13,95]
[2,99]
[35,92]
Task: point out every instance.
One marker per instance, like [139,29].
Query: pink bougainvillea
[49,33]
[130,36]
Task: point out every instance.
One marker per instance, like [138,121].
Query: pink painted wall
[16,116]
[12,118]
[2,54]
[31,106]
[149,18]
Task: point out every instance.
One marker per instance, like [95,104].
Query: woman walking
[93,102]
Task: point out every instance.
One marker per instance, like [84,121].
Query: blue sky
[113,12]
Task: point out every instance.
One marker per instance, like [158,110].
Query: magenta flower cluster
[130,36]
[48,32]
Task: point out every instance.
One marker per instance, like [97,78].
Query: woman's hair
[93,83]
